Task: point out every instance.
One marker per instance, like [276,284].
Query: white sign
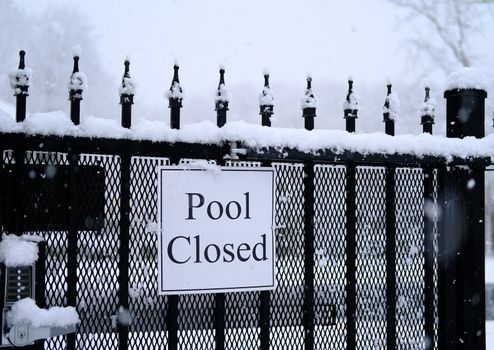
[216,230]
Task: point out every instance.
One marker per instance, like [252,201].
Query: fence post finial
[427,112]
[266,102]
[390,111]
[309,105]
[222,100]
[126,91]
[20,80]
[350,107]
[77,84]
[175,97]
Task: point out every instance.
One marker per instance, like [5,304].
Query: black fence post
[72,236]
[427,114]
[266,99]
[77,84]
[350,108]
[126,90]
[309,248]
[464,302]
[265,296]
[350,114]
[221,101]
[390,203]
[309,106]
[20,81]
[175,98]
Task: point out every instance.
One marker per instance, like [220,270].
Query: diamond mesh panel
[287,300]
[330,256]
[56,240]
[436,254]
[148,309]
[371,258]
[410,272]
[98,259]
[242,309]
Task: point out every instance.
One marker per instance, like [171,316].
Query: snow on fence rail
[254,136]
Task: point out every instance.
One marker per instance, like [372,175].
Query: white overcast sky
[328,38]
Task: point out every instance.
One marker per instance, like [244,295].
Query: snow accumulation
[266,97]
[308,101]
[467,78]
[353,103]
[222,94]
[428,108]
[255,136]
[175,92]
[128,87]
[19,250]
[26,312]
[78,81]
[394,106]
[20,78]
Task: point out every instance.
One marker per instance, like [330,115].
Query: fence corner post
[126,91]
[350,108]
[266,102]
[461,247]
[20,81]
[309,103]
[222,100]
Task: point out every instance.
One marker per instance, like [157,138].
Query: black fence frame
[460,271]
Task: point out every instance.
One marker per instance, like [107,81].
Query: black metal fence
[373,251]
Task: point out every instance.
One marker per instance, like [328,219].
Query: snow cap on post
[266,101]
[465,103]
[20,79]
[222,99]
[427,111]
[309,105]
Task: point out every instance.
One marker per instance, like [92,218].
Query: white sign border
[161,291]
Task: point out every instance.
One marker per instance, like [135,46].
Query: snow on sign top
[255,136]
[467,78]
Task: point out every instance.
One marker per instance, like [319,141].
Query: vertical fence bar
[390,232]
[72,236]
[126,99]
[427,120]
[350,115]
[221,107]
[123,278]
[175,98]
[429,255]
[309,255]
[309,114]
[351,256]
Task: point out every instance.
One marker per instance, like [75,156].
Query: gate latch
[22,335]
[235,150]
